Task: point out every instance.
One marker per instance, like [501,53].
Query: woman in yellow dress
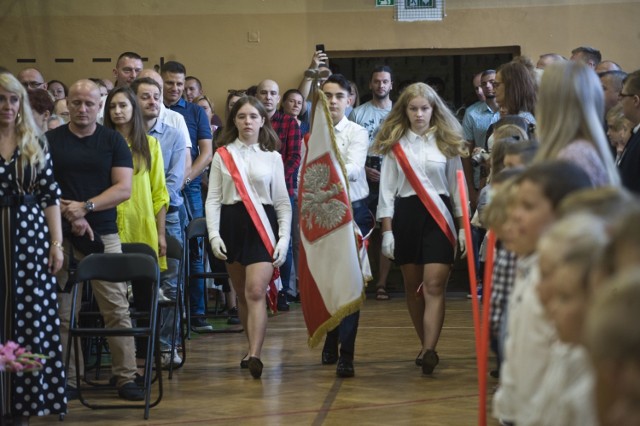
[141,218]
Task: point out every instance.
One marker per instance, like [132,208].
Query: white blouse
[423,151]
[265,172]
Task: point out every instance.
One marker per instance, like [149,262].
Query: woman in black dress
[30,255]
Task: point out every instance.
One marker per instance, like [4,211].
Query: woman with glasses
[30,255]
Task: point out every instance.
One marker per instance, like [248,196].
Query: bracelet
[57,243]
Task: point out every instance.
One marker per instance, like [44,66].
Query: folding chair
[118,267]
[197,228]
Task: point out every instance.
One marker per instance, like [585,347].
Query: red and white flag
[330,273]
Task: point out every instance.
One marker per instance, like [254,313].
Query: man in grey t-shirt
[370,115]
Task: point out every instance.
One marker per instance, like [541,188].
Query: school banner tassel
[331,278]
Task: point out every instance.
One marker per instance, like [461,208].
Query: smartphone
[321,48]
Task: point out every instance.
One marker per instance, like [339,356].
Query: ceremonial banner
[331,279]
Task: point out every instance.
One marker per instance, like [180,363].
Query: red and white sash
[427,194]
[235,165]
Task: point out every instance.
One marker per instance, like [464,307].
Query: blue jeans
[346,332]
[195,209]
[175,225]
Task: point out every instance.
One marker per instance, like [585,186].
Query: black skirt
[418,238]
[240,235]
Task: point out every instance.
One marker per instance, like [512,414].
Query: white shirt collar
[243,146]
[342,124]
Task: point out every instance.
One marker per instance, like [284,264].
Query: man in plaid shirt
[288,131]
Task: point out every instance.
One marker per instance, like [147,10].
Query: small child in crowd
[540,189]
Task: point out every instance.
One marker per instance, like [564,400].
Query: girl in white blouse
[421,129]
[251,148]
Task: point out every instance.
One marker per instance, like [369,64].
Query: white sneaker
[168,359]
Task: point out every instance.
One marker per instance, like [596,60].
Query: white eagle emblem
[319,208]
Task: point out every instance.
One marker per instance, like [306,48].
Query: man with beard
[149,95]
[370,115]
[477,120]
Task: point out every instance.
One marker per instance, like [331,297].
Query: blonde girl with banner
[249,215]
[423,142]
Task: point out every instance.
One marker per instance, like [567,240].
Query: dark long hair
[519,86]
[138,137]
[267,138]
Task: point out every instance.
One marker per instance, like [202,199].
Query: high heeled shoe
[429,361]
[255,367]
[419,359]
[244,363]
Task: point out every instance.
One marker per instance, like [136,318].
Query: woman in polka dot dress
[30,254]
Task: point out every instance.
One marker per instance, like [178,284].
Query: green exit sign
[380,3]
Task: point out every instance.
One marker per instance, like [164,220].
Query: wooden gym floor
[296,389]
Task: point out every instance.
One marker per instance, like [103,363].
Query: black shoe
[131,392]
[200,325]
[295,299]
[255,367]
[71,393]
[329,358]
[419,359]
[345,368]
[283,305]
[244,363]
[138,380]
[429,361]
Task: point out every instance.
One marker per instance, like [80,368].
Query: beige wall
[210,36]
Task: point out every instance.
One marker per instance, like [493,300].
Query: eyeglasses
[32,84]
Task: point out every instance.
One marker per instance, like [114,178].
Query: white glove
[280,252]
[388,244]
[462,243]
[218,247]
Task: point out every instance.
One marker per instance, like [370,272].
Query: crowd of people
[551,156]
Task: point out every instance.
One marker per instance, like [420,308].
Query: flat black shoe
[329,358]
[139,380]
[345,368]
[244,363]
[131,392]
[255,367]
[283,305]
[429,361]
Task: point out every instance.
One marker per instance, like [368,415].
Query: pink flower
[14,358]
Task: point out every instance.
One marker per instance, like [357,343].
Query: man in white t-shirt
[370,115]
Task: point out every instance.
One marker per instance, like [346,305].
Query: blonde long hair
[447,129]
[570,107]
[30,140]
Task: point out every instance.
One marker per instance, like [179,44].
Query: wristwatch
[89,206]
[187,181]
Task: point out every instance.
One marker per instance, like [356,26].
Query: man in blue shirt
[172,143]
[173,77]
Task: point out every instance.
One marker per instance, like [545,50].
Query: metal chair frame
[119,267]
